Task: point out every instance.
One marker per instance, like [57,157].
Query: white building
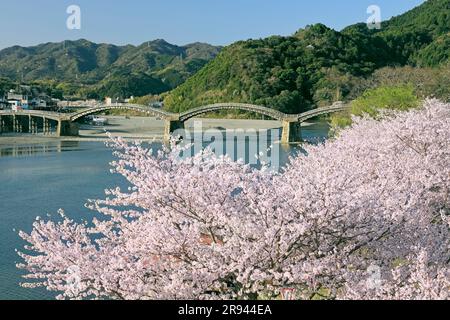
[111,101]
[39,103]
[17,101]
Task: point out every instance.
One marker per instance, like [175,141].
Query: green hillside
[88,67]
[317,65]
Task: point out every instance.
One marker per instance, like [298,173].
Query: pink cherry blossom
[374,198]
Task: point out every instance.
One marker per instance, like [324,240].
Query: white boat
[97,121]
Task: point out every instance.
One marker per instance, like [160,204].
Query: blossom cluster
[374,198]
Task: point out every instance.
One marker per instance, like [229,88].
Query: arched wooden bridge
[64,124]
[152,112]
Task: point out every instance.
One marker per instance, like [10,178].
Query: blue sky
[219,22]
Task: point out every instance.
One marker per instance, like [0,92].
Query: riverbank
[140,128]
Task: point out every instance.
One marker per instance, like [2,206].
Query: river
[39,179]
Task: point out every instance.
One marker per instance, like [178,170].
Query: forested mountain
[317,65]
[155,66]
[419,37]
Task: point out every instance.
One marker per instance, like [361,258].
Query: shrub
[393,98]
[373,100]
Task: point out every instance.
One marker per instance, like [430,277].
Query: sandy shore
[138,128]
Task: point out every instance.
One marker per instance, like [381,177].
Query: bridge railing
[319,111]
[36,113]
[275,114]
[32,112]
[135,107]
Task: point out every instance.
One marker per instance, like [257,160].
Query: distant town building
[17,101]
[38,103]
[12,95]
[27,98]
[43,102]
[66,104]
[111,101]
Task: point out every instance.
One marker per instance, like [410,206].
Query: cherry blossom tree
[363,216]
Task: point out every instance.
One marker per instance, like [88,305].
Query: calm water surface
[36,180]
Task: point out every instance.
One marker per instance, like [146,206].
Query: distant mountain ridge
[88,63]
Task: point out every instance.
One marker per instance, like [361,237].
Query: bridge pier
[33,126]
[292,132]
[16,124]
[45,126]
[67,128]
[170,126]
[19,126]
[30,124]
[6,124]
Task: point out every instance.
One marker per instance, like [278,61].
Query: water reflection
[242,146]
[27,150]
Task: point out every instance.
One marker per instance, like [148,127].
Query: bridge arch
[133,107]
[337,107]
[67,126]
[274,114]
